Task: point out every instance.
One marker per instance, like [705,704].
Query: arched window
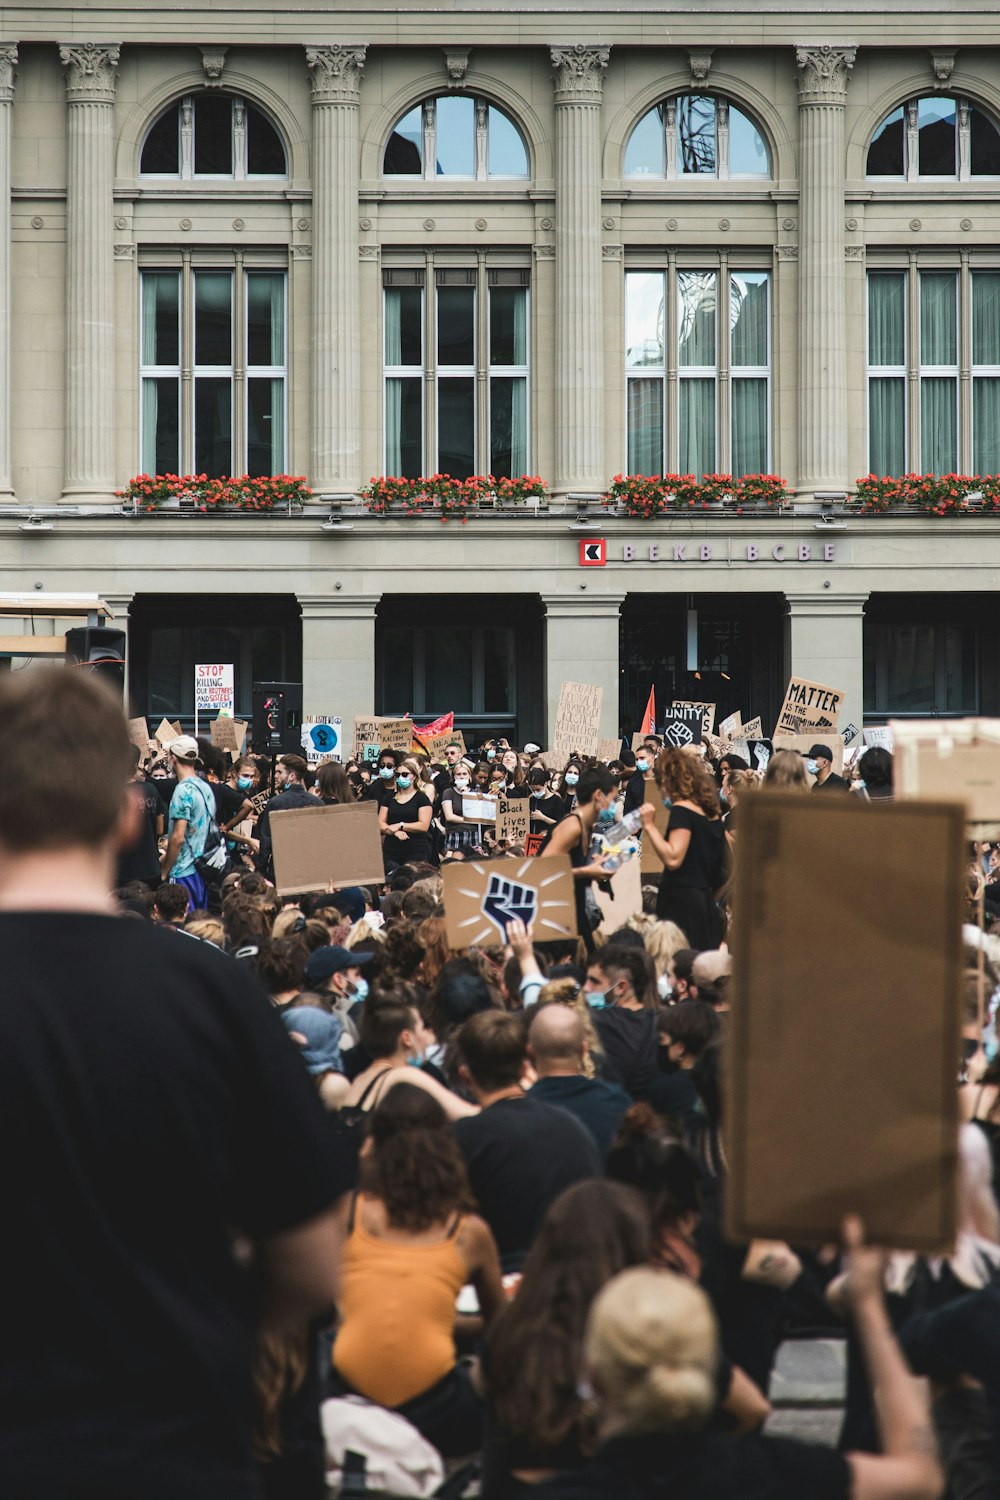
[455,135]
[696,135]
[936,136]
[213,135]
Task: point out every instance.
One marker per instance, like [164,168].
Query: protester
[557,1049]
[874,767]
[819,763]
[595,803]
[413,1241]
[618,989]
[405,820]
[192,810]
[514,1182]
[292,795]
[786,771]
[693,853]
[158,1109]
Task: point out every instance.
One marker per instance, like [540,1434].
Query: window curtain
[886,319]
[938,320]
[520,329]
[697,427]
[986,424]
[150,411]
[986,318]
[150,290]
[393,328]
[749,427]
[645,426]
[393,423]
[696,293]
[748,318]
[519,415]
[938,426]
[887,425]
[267,303]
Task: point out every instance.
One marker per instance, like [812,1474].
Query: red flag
[444,725]
[648,725]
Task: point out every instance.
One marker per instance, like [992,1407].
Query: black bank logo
[593,553]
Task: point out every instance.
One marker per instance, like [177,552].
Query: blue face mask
[606,815]
[403,782]
[596,999]
[642,765]
[571,778]
[812,767]
[538,791]
[386,772]
[244,783]
[491,755]
[360,990]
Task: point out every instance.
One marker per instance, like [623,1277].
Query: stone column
[824,642]
[582,645]
[336,409]
[822,438]
[579,372]
[91,73]
[8,59]
[338,656]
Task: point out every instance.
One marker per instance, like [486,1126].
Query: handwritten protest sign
[681,727]
[389,734]
[482,896]
[138,733]
[880,735]
[477,809]
[322,738]
[259,801]
[513,819]
[752,729]
[808,706]
[578,720]
[729,728]
[214,688]
[818,1125]
[319,846]
[229,734]
[707,711]
[436,744]
[608,749]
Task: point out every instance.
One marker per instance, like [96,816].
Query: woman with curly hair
[693,853]
[412,1244]
[537,1420]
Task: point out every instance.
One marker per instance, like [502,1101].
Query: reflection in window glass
[213,318]
[507,156]
[748,317]
[265,426]
[936,140]
[644,319]
[984,145]
[456,137]
[645,426]
[265,319]
[886,152]
[747,152]
[161,292]
[696,317]
[404,154]
[696,144]
[645,156]
[161,425]
[508,425]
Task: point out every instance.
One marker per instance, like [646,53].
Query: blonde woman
[786,772]
[651,1350]
[662,940]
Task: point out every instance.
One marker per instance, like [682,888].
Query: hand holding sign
[507,900]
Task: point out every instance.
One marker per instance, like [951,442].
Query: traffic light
[277,718]
[100,649]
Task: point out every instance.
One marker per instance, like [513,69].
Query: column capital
[579,606]
[825,604]
[823,71]
[335,73]
[91,71]
[339,606]
[579,73]
[8,61]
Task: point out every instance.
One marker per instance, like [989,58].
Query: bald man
[557,1048]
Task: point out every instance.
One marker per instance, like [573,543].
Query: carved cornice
[823,73]
[700,61]
[579,73]
[942,63]
[8,61]
[91,71]
[456,60]
[335,73]
[213,60]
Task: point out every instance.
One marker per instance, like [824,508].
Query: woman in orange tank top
[411,1247]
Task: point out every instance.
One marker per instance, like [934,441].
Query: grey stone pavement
[807,1390]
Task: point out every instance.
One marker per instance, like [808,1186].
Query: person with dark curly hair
[412,1244]
[693,853]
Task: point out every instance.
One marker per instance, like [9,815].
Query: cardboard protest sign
[479,809]
[835,1105]
[958,759]
[513,819]
[758,754]
[369,753]
[578,720]
[649,862]
[214,688]
[435,744]
[624,899]
[389,734]
[319,846]
[707,711]
[533,844]
[259,801]
[880,735]
[138,733]
[803,743]
[166,732]
[807,706]
[729,727]
[322,738]
[752,729]
[229,734]
[681,727]
[848,733]
[609,749]
[482,896]
[738,747]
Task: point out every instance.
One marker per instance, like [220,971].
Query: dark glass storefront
[478,656]
[260,634]
[740,653]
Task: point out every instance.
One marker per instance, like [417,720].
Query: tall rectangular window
[934,370]
[458,402]
[719,367]
[213,372]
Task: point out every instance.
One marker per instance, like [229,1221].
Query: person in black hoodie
[617,988]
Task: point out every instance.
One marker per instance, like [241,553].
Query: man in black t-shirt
[142,861]
[819,762]
[155,1113]
[520,1153]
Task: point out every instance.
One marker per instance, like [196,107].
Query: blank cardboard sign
[482,895]
[844,1035]
[319,846]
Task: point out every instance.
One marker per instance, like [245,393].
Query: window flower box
[928,494]
[645,496]
[200,495]
[443,497]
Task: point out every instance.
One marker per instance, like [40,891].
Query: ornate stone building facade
[570,241]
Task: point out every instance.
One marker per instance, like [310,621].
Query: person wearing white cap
[192,808]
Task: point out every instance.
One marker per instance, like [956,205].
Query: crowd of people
[299,1192]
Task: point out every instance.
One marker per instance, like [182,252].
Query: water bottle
[626,829]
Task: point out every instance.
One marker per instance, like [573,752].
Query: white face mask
[461,783]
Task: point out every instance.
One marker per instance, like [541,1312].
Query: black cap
[820,752]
